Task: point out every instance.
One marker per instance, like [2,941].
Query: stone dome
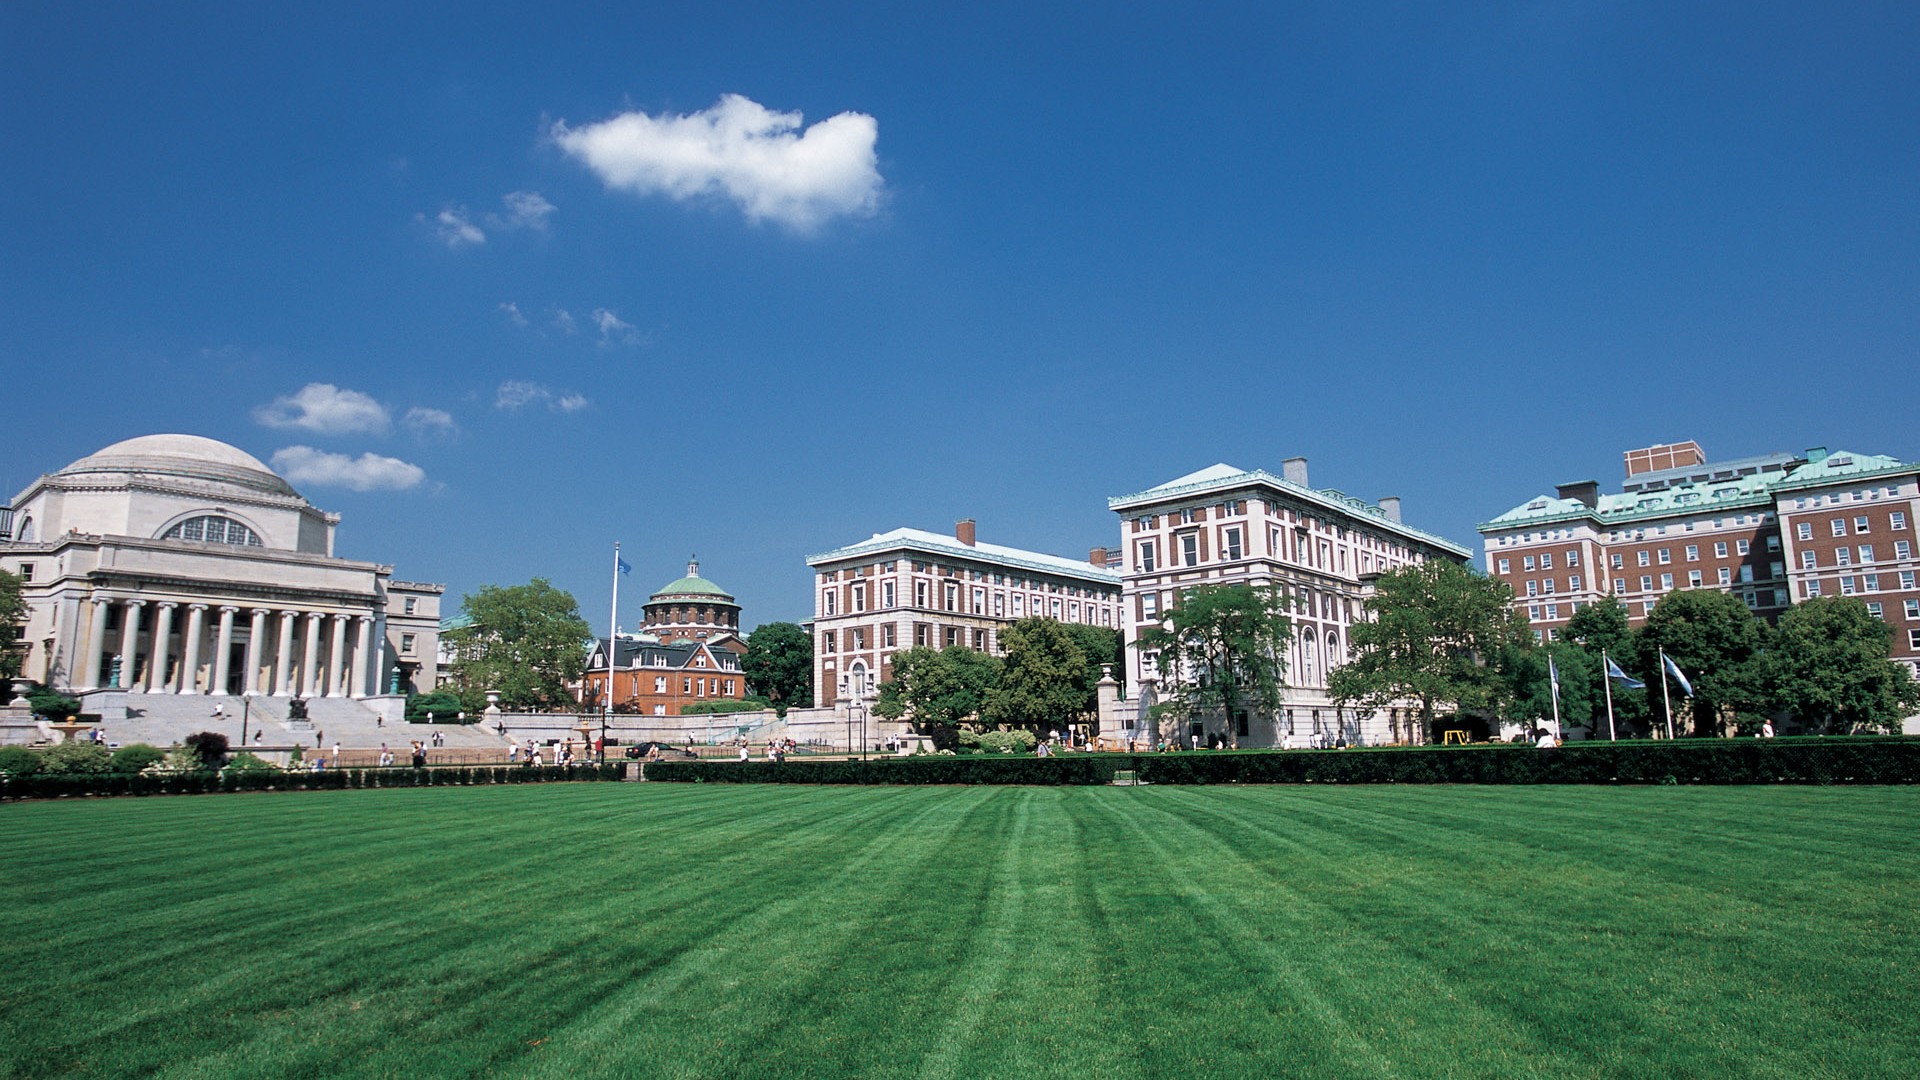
[693,585]
[189,457]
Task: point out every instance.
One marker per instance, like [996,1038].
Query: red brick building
[688,650]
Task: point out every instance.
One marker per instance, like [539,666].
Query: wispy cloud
[613,329]
[513,313]
[456,230]
[516,394]
[563,320]
[368,472]
[428,424]
[325,409]
[761,160]
[525,210]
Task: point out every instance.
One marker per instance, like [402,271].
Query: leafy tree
[210,747]
[52,704]
[1224,647]
[1529,687]
[134,757]
[76,757]
[779,665]
[1432,634]
[935,690]
[1043,677]
[1828,666]
[1603,630]
[13,612]
[438,707]
[1713,637]
[1105,649]
[526,641]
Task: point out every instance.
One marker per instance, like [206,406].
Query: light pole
[246,714]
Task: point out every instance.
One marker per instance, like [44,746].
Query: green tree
[1713,637]
[1433,633]
[1105,649]
[1602,628]
[1828,666]
[1043,677]
[779,665]
[1529,689]
[1224,647]
[526,641]
[936,690]
[13,613]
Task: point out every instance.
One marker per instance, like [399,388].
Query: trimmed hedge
[53,786]
[1717,761]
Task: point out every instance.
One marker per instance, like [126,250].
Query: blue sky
[572,275]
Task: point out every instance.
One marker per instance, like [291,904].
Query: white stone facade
[1225,525]
[174,564]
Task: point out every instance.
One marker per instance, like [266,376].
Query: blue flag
[1673,669]
[1614,672]
[622,563]
[1553,675]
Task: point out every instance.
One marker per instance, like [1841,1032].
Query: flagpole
[1553,676]
[1666,692]
[1606,676]
[613,650]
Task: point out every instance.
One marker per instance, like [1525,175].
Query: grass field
[682,930]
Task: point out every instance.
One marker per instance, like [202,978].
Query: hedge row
[50,786]
[1730,761]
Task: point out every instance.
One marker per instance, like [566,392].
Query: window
[886,594]
[1503,567]
[952,597]
[1645,558]
[856,640]
[214,529]
[26,571]
[979,601]
[1866,553]
[1804,530]
[920,635]
[1666,556]
[1573,583]
[1773,543]
[659,710]
[1150,606]
[1693,579]
[1860,524]
[1871,583]
[1553,611]
[409,605]
[1693,552]
[1619,561]
[919,594]
[953,636]
[659,684]
[1573,558]
[1720,549]
[1843,556]
[1746,573]
[1913,639]
[829,601]
[1912,609]
[887,639]
[1619,585]
[1666,581]
[1741,547]
[1809,560]
[1527,562]
[1906,579]
[1230,540]
[1186,517]
[1146,556]
[406,644]
[829,642]
[1899,521]
[1546,560]
[1812,589]
[1839,526]
[1190,549]
[1726,576]
[1533,588]
[1646,583]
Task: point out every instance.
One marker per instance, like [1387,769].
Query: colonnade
[332,662]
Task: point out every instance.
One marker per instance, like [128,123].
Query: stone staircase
[165,719]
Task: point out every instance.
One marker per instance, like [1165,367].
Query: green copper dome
[693,585]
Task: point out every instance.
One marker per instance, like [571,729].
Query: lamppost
[246,714]
[860,707]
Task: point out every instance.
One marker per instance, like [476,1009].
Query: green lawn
[713,930]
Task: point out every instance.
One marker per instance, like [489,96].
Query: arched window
[1306,655]
[214,529]
[26,529]
[1333,650]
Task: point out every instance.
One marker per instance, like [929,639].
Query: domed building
[692,607]
[180,565]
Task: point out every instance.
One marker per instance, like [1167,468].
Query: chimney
[1294,471]
[1585,492]
[1098,557]
[963,531]
[1391,504]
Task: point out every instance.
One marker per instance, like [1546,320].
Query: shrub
[438,707]
[210,746]
[18,761]
[136,757]
[245,762]
[71,757]
[698,708]
[52,704]
[1017,741]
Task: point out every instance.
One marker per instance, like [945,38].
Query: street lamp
[246,714]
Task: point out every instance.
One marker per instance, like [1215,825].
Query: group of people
[533,754]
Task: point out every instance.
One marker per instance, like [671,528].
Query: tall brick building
[1772,530]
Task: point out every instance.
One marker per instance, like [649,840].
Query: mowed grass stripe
[692,930]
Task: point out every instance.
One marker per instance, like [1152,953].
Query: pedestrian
[419,755]
[743,750]
[1766,729]
[1545,740]
[1195,740]
[336,753]
[219,711]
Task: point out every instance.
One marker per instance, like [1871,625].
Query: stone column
[157,682]
[190,648]
[256,648]
[96,645]
[217,682]
[364,671]
[130,644]
[310,659]
[283,661]
[337,668]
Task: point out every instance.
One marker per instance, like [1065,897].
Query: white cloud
[563,319]
[516,394]
[614,329]
[325,409]
[525,210]
[513,313]
[456,231]
[760,159]
[426,423]
[368,472]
